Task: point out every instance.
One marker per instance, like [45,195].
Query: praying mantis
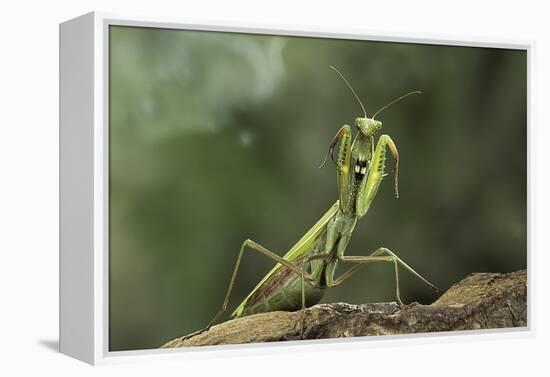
[300,278]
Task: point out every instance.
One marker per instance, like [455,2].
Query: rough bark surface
[480,301]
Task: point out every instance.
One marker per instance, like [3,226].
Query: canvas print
[271,188]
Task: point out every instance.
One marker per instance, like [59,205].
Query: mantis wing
[300,248]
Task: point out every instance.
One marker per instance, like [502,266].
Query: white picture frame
[84,189]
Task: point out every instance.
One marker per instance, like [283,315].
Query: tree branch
[480,301]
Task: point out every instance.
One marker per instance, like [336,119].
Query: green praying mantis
[300,278]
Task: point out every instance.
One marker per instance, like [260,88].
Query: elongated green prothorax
[301,276]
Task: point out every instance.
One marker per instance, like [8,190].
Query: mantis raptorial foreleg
[376,173]
[343,135]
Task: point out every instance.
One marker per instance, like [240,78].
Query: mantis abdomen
[283,289]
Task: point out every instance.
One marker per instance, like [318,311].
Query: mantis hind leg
[249,244]
[380,255]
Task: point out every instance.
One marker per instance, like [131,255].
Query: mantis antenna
[353,91]
[394,101]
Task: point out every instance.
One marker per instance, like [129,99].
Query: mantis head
[367,126]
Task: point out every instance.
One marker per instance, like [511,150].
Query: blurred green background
[217,137]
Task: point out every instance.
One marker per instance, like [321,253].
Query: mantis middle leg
[380,255]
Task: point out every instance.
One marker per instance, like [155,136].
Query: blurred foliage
[216,137]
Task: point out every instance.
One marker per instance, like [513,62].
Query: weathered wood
[480,301]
